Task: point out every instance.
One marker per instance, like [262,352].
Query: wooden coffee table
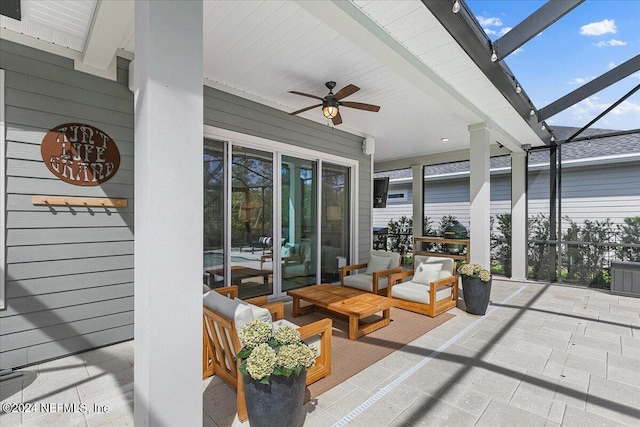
[354,303]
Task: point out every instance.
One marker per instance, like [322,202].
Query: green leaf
[265,380]
[279,370]
[244,353]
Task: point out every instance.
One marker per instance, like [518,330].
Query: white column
[519,216]
[480,138]
[418,199]
[168,213]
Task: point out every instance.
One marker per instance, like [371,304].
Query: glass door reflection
[335,229]
[299,218]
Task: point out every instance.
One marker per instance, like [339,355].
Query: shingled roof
[593,148]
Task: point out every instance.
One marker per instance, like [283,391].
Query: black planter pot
[476,294]
[276,404]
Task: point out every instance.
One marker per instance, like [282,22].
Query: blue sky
[587,42]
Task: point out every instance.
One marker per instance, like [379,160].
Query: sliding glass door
[273,221]
[335,230]
[298,222]
[251,221]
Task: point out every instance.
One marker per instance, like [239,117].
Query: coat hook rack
[104,202]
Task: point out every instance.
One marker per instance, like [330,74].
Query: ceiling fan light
[330,108]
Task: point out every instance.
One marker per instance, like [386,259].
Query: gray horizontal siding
[24,254]
[54,349]
[595,193]
[65,267]
[69,270]
[69,282]
[65,329]
[48,236]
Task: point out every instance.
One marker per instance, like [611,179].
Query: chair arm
[259,301]
[265,258]
[445,281]
[298,259]
[323,362]
[451,280]
[344,270]
[230,291]
[276,309]
[395,278]
[381,273]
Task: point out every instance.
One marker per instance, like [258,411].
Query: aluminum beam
[464,28]
[542,18]
[596,85]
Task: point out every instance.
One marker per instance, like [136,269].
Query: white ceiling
[395,51]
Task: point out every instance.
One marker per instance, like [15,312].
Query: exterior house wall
[69,271]
[595,192]
[230,112]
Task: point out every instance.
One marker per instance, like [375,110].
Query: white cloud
[489,31]
[505,30]
[590,108]
[517,51]
[612,42]
[611,65]
[599,28]
[636,76]
[489,22]
[626,107]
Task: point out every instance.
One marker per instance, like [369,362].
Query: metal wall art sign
[80,154]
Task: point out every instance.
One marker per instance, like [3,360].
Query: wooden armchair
[222,318]
[381,264]
[432,289]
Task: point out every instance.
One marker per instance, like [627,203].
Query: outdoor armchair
[224,314]
[432,287]
[293,264]
[374,277]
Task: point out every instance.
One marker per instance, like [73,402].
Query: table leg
[296,307]
[355,331]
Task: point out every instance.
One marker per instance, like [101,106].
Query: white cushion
[447,264]
[426,273]
[364,282]
[418,292]
[259,313]
[377,263]
[229,308]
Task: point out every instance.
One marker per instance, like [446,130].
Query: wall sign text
[80,154]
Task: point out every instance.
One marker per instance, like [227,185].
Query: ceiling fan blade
[346,91]
[306,94]
[337,119]
[304,109]
[361,106]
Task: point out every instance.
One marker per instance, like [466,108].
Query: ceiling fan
[331,102]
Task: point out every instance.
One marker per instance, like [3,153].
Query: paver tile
[614,400]
[502,414]
[435,412]
[624,369]
[574,417]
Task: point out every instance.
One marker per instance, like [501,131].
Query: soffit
[396,52]
[415,28]
[63,23]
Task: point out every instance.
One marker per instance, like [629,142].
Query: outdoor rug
[350,357]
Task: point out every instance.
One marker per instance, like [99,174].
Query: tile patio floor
[544,355]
